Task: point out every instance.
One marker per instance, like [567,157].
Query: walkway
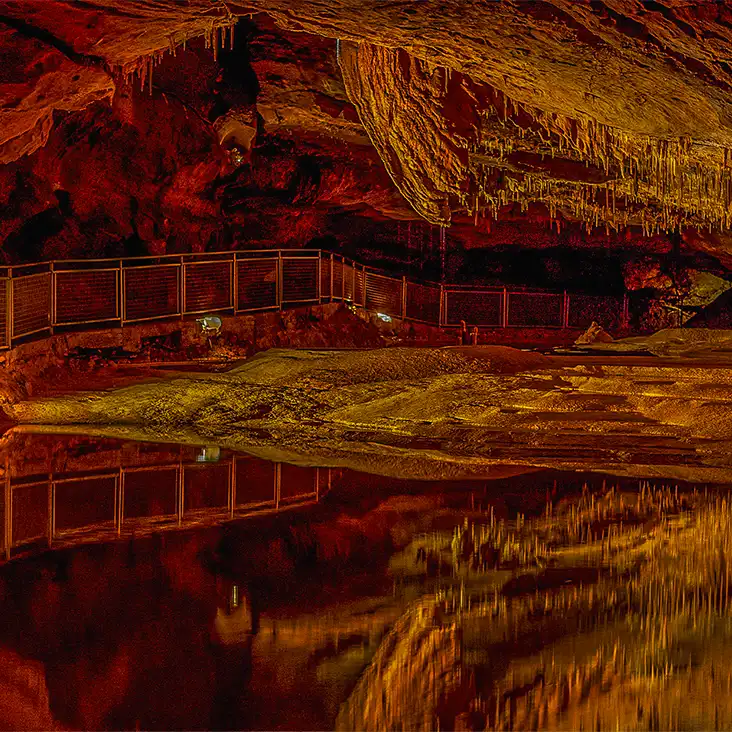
[40,299]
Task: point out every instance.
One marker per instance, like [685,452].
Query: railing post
[120,294]
[339,296]
[51,509]
[332,264]
[232,486]
[182,287]
[319,275]
[565,311]
[404,298]
[8,523]
[180,493]
[235,281]
[353,278]
[441,318]
[277,483]
[120,517]
[52,518]
[9,307]
[504,308]
[280,288]
[52,314]
[232,282]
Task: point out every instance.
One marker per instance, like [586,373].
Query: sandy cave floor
[427,412]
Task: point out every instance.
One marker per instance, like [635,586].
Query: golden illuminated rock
[400,101]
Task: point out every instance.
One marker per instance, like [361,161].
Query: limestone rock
[594,334]
[400,101]
[237,128]
[36,80]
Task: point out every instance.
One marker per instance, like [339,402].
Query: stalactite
[665,177]
[142,68]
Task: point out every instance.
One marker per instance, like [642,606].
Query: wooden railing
[40,299]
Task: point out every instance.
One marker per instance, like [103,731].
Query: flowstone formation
[453,144]
[431,413]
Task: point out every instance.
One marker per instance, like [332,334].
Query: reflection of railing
[65,509]
[40,298]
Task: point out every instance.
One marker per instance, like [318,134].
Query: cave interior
[365,364]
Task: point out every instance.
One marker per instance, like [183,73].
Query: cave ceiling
[605,121]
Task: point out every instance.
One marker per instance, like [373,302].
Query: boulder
[594,334]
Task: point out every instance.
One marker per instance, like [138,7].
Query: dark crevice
[306,183]
[235,65]
[625,25]
[49,39]
[547,12]
[107,9]
[708,35]
[698,69]
[26,244]
[725,67]
[668,13]
[635,29]
[172,95]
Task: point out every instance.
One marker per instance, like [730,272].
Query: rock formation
[140,127]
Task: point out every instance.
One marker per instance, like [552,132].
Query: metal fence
[62,509]
[39,299]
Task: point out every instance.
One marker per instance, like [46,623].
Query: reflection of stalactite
[659,184]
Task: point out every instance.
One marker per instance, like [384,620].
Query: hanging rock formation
[607,113]
[35,81]
[401,102]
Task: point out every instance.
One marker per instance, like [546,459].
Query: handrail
[38,298]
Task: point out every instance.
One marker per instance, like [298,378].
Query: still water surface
[164,587]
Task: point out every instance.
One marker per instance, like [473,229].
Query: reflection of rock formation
[24,703]
[627,628]
[108,625]
[306,660]
[414,672]
[180,614]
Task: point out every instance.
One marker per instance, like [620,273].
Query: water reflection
[541,601]
[59,492]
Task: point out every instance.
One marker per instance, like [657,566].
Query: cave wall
[165,167]
[279,130]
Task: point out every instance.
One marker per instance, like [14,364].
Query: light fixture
[383,316]
[210,324]
[209,454]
